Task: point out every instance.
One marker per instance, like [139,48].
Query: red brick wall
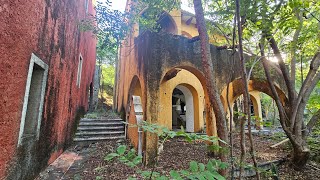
[49,29]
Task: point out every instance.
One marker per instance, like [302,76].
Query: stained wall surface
[152,57]
[50,30]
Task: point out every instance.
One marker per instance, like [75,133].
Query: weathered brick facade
[50,30]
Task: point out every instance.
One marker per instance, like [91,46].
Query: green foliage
[107,78]
[196,170]
[99,178]
[147,12]
[313,142]
[278,136]
[112,25]
[101,112]
[165,133]
[125,156]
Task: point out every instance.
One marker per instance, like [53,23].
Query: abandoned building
[161,80]
[47,68]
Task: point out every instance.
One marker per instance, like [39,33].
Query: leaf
[202,167]
[145,174]
[162,178]
[110,156]
[193,166]
[121,149]
[223,165]
[210,166]
[184,172]
[218,176]
[209,175]
[137,160]
[201,176]
[175,175]
[123,159]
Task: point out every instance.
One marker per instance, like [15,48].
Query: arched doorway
[256,88]
[182,108]
[237,106]
[134,112]
[182,96]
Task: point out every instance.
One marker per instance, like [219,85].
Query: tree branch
[282,112]
[283,68]
[294,46]
[307,84]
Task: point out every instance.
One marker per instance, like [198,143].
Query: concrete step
[98,138]
[94,128]
[86,133]
[100,119]
[100,123]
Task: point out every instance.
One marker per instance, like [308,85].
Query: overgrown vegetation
[196,170]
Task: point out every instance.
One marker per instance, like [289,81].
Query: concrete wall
[50,30]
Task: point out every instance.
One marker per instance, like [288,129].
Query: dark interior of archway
[270,114]
[238,107]
[166,24]
[178,109]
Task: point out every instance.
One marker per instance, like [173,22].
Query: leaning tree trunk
[214,96]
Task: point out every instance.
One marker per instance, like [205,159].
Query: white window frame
[34,60]
[79,73]
[86,5]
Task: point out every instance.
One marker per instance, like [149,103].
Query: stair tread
[99,123]
[101,119]
[98,138]
[98,132]
[98,128]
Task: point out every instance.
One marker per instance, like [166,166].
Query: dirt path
[86,162]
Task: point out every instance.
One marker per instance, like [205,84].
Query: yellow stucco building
[164,70]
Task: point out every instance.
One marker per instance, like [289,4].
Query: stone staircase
[91,130]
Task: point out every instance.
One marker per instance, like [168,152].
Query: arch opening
[182,101]
[165,22]
[185,34]
[134,113]
[182,108]
[260,94]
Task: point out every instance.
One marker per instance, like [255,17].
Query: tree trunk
[301,152]
[300,155]
[214,96]
[246,97]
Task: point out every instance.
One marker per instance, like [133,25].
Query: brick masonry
[50,30]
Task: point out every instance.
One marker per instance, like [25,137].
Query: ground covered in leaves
[177,154]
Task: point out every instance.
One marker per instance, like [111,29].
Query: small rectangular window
[33,100]
[79,71]
[87,6]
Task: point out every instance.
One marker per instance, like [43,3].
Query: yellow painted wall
[190,81]
[234,93]
[190,29]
